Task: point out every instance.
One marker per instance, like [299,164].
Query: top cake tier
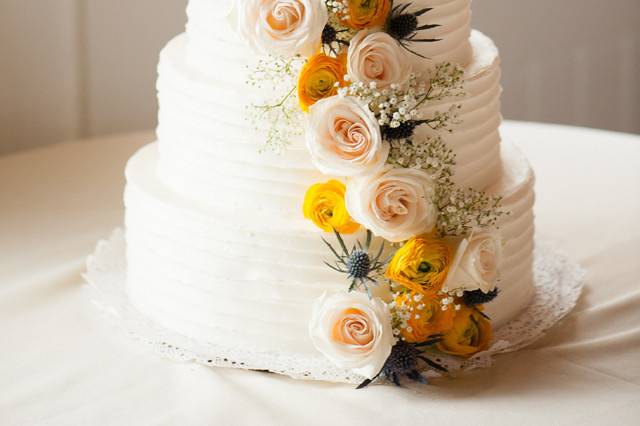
[211,31]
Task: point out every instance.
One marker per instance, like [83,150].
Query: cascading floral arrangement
[344,67]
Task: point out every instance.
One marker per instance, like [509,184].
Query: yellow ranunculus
[367,13]
[426,316]
[318,78]
[471,333]
[422,264]
[324,205]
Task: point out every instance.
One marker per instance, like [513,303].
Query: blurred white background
[72,69]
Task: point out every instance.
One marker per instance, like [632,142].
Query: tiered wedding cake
[218,248]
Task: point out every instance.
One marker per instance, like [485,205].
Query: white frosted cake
[218,247]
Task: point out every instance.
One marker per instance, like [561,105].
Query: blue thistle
[404,361]
[404,27]
[358,264]
[331,40]
[478,297]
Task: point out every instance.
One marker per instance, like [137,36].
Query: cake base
[558,284]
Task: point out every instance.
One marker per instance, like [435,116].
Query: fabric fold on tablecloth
[62,363]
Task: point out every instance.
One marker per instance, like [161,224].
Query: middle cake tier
[209,152]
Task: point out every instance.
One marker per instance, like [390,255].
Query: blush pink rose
[394,203]
[344,138]
[377,57]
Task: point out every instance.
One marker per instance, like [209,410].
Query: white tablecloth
[62,363]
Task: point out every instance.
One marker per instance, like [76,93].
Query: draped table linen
[62,362]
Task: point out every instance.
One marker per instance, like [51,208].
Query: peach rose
[377,57]
[344,138]
[353,332]
[282,27]
[393,203]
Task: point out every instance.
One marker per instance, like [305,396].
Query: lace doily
[558,284]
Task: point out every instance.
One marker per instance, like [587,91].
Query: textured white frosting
[250,276]
[205,139]
[218,248]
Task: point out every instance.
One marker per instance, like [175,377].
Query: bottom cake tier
[213,278]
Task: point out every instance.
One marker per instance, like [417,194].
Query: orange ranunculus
[471,333]
[318,78]
[422,264]
[426,316]
[324,205]
[363,14]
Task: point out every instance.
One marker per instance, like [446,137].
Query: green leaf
[427,27]
[334,268]
[342,244]
[333,250]
[382,245]
[369,238]
[368,292]
[425,40]
[426,343]
[364,384]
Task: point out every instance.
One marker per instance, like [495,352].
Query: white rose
[282,27]
[344,138]
[394,203]
[353,331]
[475,265]
[377,57]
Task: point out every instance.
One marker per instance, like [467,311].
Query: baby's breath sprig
[398,107]
[335,35]
[392,106]
[443,120]
[462,210]
[281,121]
[338,11]
[432,156]
[274,69]
[280,116]
[400,314]
[446,81]
[337,6]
